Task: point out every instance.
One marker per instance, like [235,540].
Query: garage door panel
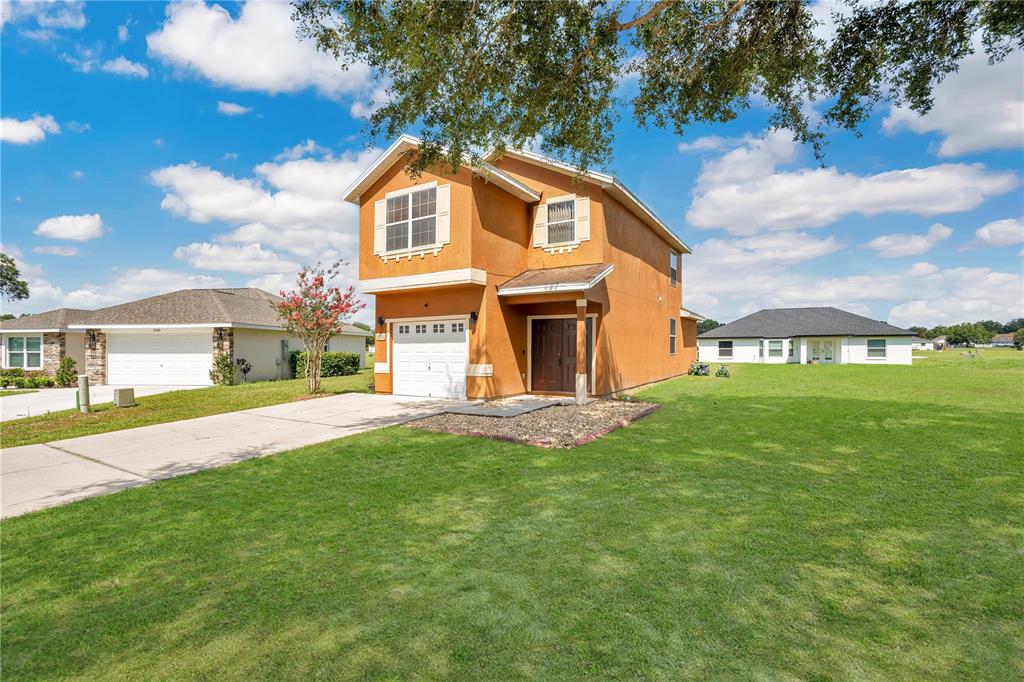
[430,359]
[164,359]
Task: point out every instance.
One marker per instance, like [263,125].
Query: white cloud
[900,245]
[744,192]
[1001,232]
[979,107]
[708,143]
[257,51]
[965,294]
[77,228]
[307,148]
[232,109]
[777,248]
[137,283]
[48,16]
[122,33]
[77,174]
[56,250]
[251,258]
[28,131]
[77,126]
[374,101]
[125,67]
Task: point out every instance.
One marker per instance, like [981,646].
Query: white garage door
[429,358]
[159,359]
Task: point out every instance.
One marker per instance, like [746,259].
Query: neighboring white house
[166,340]
[806,336]
[917,343]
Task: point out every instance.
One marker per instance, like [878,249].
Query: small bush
[223,372]
[12,372]
[331,364]
[67,373]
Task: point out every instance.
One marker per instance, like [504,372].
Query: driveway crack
[99,461]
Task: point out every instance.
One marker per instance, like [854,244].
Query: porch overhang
[689,314]
[428,280]
[556,283]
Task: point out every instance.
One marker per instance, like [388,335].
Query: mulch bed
[558,426]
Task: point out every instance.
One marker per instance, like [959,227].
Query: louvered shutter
[379,226]
[540,225]
[443,231]
[582,219]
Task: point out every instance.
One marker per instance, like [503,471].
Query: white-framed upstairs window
[560,224]
[413,221]
[725,349]
[673,268]
[876,348]
[23,352]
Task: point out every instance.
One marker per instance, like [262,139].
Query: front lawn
[791,522]
[169,407]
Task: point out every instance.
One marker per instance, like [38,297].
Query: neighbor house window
[725,349]
[561,221]
[25,351]
[412,220]
[672,336]
[876,348]
[775,348]
[421,329]
[760,348]
[673,268]
[792,345]
[458,327]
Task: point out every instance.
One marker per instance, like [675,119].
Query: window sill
[421,251]
[563,247]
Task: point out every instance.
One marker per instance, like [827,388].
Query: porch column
[582,361]
[803,350]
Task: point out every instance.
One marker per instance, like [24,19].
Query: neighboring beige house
[38,342]
[166,340]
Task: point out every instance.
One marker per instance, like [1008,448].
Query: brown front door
[554,354]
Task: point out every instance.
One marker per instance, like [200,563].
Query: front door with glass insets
[822,350]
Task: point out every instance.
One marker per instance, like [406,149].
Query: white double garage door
[162,358]
[429,358]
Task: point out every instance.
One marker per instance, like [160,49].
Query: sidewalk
[37,476]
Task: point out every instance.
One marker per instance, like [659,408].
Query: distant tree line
[970,333]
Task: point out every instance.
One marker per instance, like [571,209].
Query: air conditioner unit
[124,397]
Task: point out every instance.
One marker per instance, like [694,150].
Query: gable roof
[407,143]
[58,319]
[610,184]
[788,322]
[551,280]
[245,307]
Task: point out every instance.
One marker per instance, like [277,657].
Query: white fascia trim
[406,143]
[22,332]
[686,312]
[441,278]
[605,182]
[556,288]
[100,325]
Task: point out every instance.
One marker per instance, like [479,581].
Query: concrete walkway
[38,476]
[46,400]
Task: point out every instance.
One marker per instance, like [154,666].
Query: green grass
[16,391]
[812,522]
[168,407]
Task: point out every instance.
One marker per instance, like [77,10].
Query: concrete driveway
[55,399]
[38,476]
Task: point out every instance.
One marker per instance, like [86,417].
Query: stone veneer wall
[223,341]
[96,357]
[53,351]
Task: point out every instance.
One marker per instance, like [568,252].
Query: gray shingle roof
[51,319]
[188,306]
[787,322]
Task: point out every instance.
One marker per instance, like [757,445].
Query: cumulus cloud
[258,51]
[78,228]
[232,109]
[965,294]
[125,67]
[1001,232]
[709,143]
[56,250]
[47,17]
[900,245]
[137,283]
[980,107]
[28,131]
[777,248]
[251,258]
[744,192]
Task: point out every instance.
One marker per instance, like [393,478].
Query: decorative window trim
[581,216]
[442,223]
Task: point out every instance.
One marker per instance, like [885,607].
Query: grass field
[168,407]
[791,522]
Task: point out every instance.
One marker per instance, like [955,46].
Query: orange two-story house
[515,277]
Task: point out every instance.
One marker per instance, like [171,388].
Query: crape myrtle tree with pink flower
[315,311]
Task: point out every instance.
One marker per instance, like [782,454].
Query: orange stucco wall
[492,230]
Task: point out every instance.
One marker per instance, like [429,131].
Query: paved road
[38,476]
[55,399]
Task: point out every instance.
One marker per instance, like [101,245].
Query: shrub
[331,364]
[223,372]
[12,372]
[67,373]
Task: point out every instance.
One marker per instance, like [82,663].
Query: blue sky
[149,147]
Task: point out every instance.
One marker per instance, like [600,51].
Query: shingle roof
[788,322]
[585,276]
[51,319]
